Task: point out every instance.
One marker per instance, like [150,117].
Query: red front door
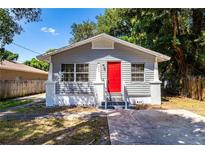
[114,76]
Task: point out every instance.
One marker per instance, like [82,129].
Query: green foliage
[82,31]
[8,55]
[42,65]
[37,64]
[178,33]
[10,22]
[109,22]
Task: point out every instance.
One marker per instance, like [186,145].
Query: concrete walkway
[34,97]
[156,127]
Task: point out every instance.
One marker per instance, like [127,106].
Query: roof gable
[103,36]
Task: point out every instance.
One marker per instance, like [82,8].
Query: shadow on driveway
[156,127]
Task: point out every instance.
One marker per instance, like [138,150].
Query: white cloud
[49,30]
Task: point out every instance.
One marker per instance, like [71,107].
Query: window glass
[82,72]
[137,72]
[74,72]
[81,67]
[67,72]
[67,68]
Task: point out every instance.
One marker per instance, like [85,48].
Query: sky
[52,32]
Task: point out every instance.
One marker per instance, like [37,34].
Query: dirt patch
[55,131]
[147,107]
[195,106]
[41,108]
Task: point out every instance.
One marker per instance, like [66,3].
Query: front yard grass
[40,108]
[11,103]
[192,105]
[53,130]
[189,104]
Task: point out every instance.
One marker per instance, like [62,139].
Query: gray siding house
[101,70]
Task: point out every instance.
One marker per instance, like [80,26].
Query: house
[101,70]
[17,71]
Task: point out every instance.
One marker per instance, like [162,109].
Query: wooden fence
[14,88]
[196,88]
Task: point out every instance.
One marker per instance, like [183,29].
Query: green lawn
[11,103]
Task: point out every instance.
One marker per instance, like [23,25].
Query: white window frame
[137,72]
[75,73]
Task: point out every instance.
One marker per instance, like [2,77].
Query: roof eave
[19,70]
[161,57]
[43,57]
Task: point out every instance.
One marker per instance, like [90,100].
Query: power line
[21,46]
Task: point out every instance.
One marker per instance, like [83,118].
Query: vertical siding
[126,55]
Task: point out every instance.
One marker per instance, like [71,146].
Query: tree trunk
[180,57]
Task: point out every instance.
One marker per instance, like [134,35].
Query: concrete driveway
[156,127]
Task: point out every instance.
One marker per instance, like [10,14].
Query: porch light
[104,67]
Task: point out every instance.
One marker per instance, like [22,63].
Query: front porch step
[115,97]
[113,105]
[116,105]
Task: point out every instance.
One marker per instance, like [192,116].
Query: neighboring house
[103,69]
[17,71]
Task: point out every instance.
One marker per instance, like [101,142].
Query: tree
[8,55]
[178,33]
[37,64]
[82,31]
[10,22]
[42,65]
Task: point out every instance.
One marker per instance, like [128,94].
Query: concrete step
[112,107]
[116,105]
[115,97]
[115,94]
[113,103]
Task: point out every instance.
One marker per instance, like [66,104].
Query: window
[67,72]
[74,72]
[137,72]
[82,72]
